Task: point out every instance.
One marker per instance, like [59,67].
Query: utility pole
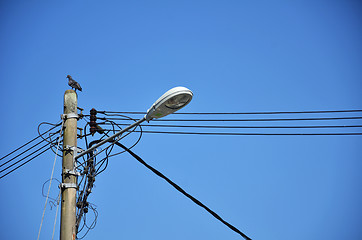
[69,177]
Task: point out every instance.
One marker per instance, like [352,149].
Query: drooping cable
[12,161]
[23,157]
[178,188]
[13,158]
[50,182]
[56,213]
[28,142]
[50,141]
[12,170]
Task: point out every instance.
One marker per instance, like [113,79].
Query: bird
[73,84]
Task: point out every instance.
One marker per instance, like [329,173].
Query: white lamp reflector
[173,100]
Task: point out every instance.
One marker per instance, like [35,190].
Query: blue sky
[236,56]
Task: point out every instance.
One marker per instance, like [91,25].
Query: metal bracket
[71,172]
[72,148]
[68,185]
[69,115]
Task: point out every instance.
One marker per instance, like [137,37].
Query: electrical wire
[56,213]
[241,113]
[50,182]
[241,127]
[25,157]
[49,142]
[22,153]
[13,158]
[109,122]
[89,169]
[121,118]
[178,188]
[252,134]
[42,189]
[246,120]
[27,143]
[50,135]
[25,162]
[109,146]
[94,222]
[98,166]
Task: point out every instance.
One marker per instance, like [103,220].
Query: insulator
[93,119]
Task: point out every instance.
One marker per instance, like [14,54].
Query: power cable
[27,143]
[25,162]
[241,127]
[24,158]
[26,151]
[178,188]
[56,213]
[245,120]
[22,153]
[50,182]
[252,134]
[241,113]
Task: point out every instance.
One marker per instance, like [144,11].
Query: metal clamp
[68,185]
[69,115]
[72,148]
[71,172]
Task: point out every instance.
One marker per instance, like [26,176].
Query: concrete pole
[69,180]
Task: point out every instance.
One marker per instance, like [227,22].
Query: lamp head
[173,100]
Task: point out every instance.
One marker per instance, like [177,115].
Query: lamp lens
[178,101]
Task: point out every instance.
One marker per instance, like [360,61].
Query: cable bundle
[30,150]
[89,168]
[312,123]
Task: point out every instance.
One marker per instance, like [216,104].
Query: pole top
[70,101]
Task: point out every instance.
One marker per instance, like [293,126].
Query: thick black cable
[178,188]
[25,162]
[138,140]
[28,142]
[245,120]
[121,137]
[245,113]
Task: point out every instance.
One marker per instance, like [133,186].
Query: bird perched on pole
[73,84]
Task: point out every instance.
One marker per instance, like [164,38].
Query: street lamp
[170,102]
[173,100]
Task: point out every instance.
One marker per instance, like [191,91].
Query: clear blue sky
[236,56]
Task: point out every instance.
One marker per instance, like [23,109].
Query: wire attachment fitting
[74,149]
[69,115]
[71,172]
[67,185]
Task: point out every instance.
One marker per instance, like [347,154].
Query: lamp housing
[170,102]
